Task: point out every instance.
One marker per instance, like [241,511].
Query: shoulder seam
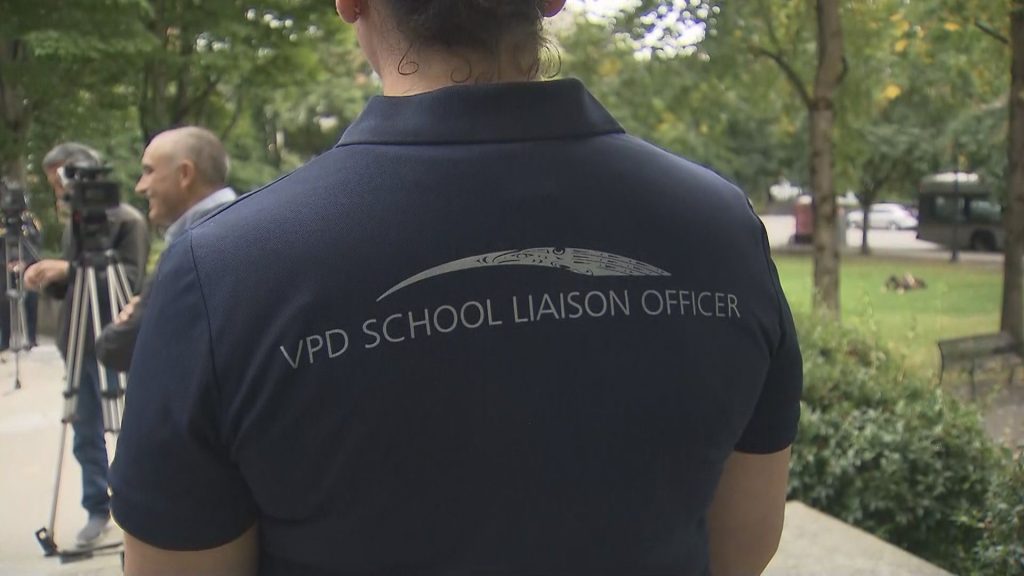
[766,255]
[209,326]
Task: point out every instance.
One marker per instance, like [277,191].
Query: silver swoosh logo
[575,260]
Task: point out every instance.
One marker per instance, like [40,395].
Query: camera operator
[129,237]
[184,175]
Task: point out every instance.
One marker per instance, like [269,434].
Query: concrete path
[812,543]
[30,429]
[816,544]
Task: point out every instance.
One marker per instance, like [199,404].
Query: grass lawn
[960,300]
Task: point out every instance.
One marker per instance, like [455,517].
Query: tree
[276,79]
[892,157]
[213,58]
[62,78]
[1010,169]
[728,34]
[886,132]
[48,62]
[830,72]
[1012,317]
[775,32]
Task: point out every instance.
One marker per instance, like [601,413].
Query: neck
[199,195]
[424,70]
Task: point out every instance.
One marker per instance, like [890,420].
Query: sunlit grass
[960,300]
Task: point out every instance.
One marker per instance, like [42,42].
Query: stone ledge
[814,543]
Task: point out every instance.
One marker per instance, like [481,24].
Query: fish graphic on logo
[576,260]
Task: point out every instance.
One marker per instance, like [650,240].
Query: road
[889,243]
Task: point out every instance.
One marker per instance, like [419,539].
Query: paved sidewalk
[30,431]
[816,544]
[812,544]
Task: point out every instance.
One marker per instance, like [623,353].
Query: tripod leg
[118,291]
[16,292]
[109,395]
[73,367]
[122,281]
[18,338]
[17,344]
[115,291]
[56,484]
[75,346]
[13,338]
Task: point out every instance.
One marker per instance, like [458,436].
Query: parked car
[884,215]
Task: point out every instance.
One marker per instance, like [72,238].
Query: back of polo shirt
[487,334]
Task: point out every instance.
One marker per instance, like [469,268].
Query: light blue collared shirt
[222,196]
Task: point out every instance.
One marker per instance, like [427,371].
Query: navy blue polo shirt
[488,333]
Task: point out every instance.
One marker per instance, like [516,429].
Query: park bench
[975,353]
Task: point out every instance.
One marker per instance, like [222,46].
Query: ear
[186,174]
[349,10]
[551,7]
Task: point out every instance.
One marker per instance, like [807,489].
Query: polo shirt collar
[483,113]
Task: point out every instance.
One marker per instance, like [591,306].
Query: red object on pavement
[803,210]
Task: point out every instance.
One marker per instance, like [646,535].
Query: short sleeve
[773,425]
[173,484]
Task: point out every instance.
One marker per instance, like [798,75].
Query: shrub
[887,451]
[1001,551]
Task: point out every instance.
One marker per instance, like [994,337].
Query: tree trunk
[1012,320]
[13,114]
[865,223]
[829,75]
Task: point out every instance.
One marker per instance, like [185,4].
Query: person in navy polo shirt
[487,333]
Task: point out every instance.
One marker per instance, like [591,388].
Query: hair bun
[473,24]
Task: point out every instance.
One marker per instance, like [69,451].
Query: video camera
[12,199]
[13,206]
[89,195]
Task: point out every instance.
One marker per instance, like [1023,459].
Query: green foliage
[925,88]
[695,107]
[883,449]
[277,80]
[1001,551]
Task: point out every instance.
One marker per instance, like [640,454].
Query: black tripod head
[13,206]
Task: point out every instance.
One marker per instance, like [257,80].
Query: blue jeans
[90,445]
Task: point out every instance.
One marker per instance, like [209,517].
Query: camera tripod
[17,339]
[86,309]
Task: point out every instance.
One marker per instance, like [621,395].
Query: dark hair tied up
[477,25]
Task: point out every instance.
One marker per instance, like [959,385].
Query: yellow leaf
[609,67]
[951,26]
[897,16]
[891,92]
[901,45]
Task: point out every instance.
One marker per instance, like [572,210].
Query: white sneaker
[93,530]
